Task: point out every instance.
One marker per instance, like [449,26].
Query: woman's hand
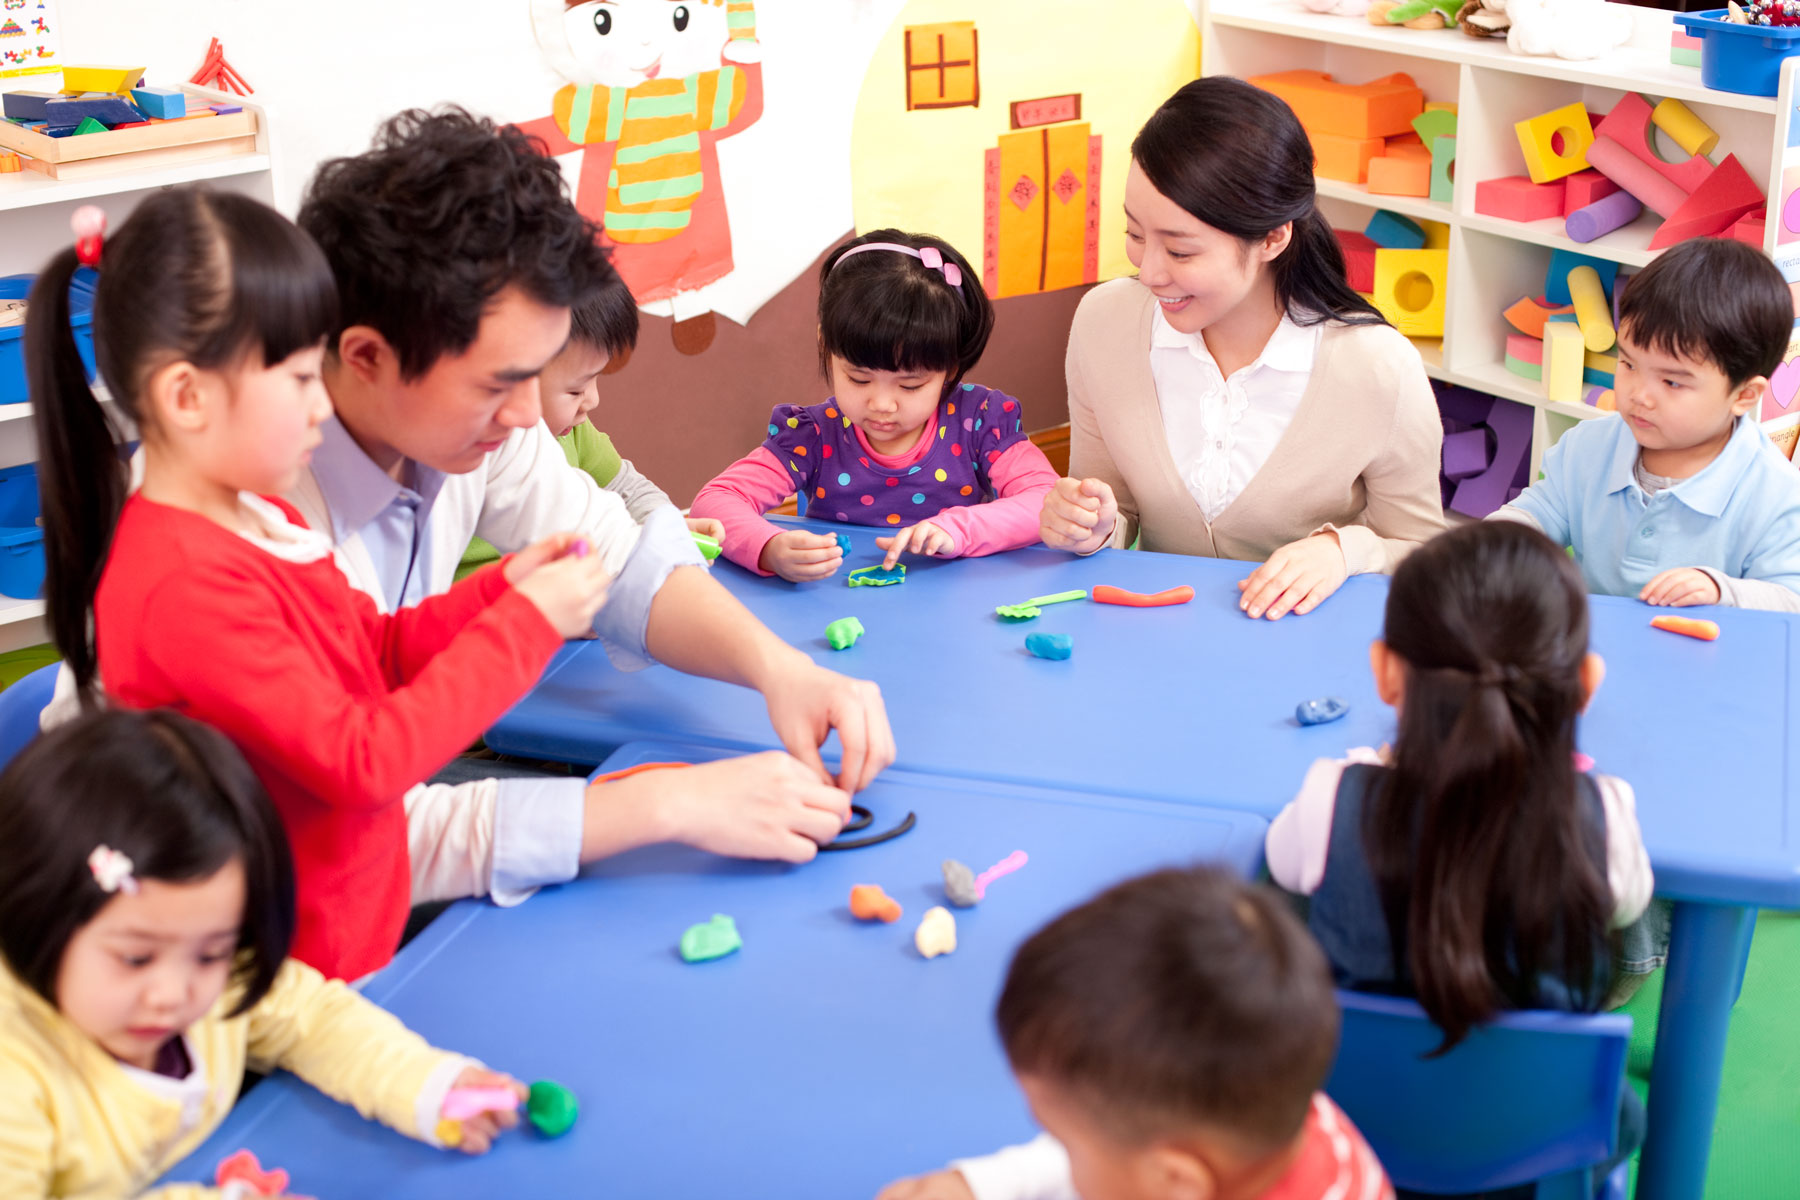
[1078,515]
[1297,577]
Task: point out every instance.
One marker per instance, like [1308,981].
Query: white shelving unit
[1493,262]
[34,223]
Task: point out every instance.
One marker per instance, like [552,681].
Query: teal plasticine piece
[1056,646]
[843,632]
[711,939]
[843,541]
[877,576]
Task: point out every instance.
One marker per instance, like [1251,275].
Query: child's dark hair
[1485,860]
[607,316]
[1235,157]
[441,215]
[1180,998]
[887,311]
[209,278]
[175,797]
[1715,300]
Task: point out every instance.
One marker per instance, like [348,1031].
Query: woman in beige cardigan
[1237,399]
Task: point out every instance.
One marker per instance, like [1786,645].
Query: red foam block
[1359,259]
[1516,198]
[1714,207]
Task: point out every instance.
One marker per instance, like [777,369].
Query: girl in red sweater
[200,593]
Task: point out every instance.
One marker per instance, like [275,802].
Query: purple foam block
[1482,494]
[1462,405]
[1466,454]
[1604,215]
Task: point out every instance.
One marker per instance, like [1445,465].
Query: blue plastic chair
[20,705]
[1532,1097]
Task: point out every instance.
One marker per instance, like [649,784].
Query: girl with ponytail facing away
[1237,399]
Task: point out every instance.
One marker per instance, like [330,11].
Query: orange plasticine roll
[869,903]
[1106,593]
[1694,627]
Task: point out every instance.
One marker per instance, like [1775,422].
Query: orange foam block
[1516,198]
[1629,125]
[1344,158]
[1381,108]
[869,903]
[1714,207]
[1389,176]
[1694,627]
[1528,317]
[1400,148]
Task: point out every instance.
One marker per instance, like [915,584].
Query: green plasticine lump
[551,1107]
[843,632]
[710,939]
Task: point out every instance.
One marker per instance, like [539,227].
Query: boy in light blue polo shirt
[1680,498]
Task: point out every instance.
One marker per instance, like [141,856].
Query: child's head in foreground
[142,871]
[1171,1033]
[603,327]
[1701,329]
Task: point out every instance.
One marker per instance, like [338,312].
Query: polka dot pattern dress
[837,478]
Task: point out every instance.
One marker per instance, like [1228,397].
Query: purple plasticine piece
[1604,215]
[1482,494]
[1466,454]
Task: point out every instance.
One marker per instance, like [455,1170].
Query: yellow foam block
[1593,315]
[1437,235]
[1688,131]
[1409,291]
[1564,355]
[118,80]
[1537,137]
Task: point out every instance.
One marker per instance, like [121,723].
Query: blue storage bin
[12,339]
[21,537]
[1740,58]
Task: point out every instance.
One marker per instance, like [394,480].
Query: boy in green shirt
[602,326]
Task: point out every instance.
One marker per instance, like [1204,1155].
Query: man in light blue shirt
[458,255]
[1680,498]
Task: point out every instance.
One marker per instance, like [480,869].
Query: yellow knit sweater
[76,1122]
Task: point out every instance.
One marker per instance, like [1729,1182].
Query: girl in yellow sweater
[146,903]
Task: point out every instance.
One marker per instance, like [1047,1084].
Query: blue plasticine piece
[103,107]
[166,104]
[28,106]
[1321,711]
[876,576]
[843,541]
[1391,231]
[1056,646]
[1556,280]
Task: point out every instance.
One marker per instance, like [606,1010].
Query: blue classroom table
[822,1060]
[1196,703]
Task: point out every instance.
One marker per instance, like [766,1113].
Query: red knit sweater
[338,708]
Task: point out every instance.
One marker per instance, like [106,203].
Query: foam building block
[1380,108]
[1583,188]
[1599,369]
[1466,454]
[1391,231]
[1684,128]
[1516,198]
[1390,176]
[1409,290]
[1749,229]
[1556,279]
[1684,49]
[1433,124]
[1508,427]
[102,107]
[1555,143]
[1715,206]
[1596,220]
[1524,356]
[1528,316]
[1437,235]
[1592,313]
[1600,398]
[28,106]
[1344,158]
[89,125]
[1564,357]
[1628,124]
[166,103]
[1655,191]
[1359,259]
[1407,149]
[1443,168]
[117,80]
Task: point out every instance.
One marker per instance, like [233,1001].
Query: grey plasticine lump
[959,884]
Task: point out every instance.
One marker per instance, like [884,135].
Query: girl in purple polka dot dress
[903,443]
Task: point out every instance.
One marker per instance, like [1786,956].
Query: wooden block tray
[154,145]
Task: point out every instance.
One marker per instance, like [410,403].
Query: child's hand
[1078,515]
[1680,588]
[568,591]
[939,1185]
[707,527]
[546,550]
[923,538]
[1297,577]
[767,806]
[801,557]
[479,1132]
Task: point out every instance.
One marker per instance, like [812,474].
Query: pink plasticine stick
[463,1103]
[1005,866]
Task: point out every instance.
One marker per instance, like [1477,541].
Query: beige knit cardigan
[1360,457]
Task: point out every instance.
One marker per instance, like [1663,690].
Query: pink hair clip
[89,224]
[112,871]
[931,256]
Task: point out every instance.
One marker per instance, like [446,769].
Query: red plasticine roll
[1105,593]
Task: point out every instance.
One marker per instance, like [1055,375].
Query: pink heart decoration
[1782,386]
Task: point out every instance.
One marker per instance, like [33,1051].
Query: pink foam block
[1585,187]
[1516,198]
[1715,206]
[1628,124]
[1525,349]
[1620,165]
[1603,216]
